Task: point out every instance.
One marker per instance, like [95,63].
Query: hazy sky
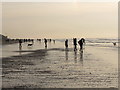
[60,20]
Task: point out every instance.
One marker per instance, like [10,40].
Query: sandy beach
[96,67]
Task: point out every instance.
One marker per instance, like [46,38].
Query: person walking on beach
[83,41]
[20,43]
[45,40]
[50,40]
[75,43]
[66,43]
[80,42]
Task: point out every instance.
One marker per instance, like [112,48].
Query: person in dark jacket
[66,43]
[45,40]
[80,42]
[20,43]
[75,43]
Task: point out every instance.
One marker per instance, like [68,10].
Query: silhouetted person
[45,40]
[24,40]
[20,43]
[50,40]
[32,41]
[40,40]
[83,41]
[66,43]
[54,41]
[75,43]
[80,42]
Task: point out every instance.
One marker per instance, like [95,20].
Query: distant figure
[66,43]
[50,40]
[28,40]
[40,40]
[114,43]
[24,40]
[45,40]
[32,41]
[20,43]
[54,41]
[80,42]
[75,43]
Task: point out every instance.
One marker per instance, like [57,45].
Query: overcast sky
[60,20]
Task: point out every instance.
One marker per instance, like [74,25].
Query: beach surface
[95,67]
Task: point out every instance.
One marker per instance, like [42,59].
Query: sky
[59,0]
[60,19]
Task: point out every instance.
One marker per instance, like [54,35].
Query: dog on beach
[30,44]
[114,43]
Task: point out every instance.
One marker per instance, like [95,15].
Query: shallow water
[10,50]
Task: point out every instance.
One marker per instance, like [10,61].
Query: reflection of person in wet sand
[66,54]
[75,56]
[81,58]
[81,55]
[20,49]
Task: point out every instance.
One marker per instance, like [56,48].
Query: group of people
[25,40]
[80,42]
[46,40]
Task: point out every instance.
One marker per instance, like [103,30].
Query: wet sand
[60,68]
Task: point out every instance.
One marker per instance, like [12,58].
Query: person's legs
[66,46]
[45,44]
[75,47]
[20,45]
[81,47]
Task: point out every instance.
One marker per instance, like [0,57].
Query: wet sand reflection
[81,57]
[75,56]
[66,54]
[20,49]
